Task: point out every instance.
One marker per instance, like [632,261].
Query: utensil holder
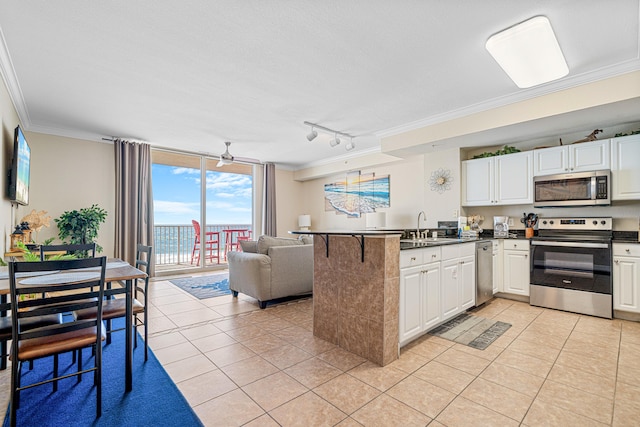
[528,232]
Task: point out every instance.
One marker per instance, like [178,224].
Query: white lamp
[304,222]
[375,220]
[529,52]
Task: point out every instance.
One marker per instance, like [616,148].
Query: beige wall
[289,197]
[68,174]
[407,183]
[411,193]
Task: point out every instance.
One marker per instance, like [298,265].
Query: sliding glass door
[182,204]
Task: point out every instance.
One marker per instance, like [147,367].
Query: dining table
[117,271]
[232,236]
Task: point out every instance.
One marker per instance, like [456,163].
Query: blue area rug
[154,401]
[203,287]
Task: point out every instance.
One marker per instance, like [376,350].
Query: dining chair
[67,285]
[115,308]
[212,242]
[6,324]
[87,250]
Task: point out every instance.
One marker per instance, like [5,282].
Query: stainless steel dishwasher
[484,271]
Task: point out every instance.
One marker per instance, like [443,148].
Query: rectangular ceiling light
[529,52]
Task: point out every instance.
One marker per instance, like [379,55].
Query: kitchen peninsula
[356,285]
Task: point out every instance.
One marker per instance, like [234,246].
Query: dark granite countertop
[349,232]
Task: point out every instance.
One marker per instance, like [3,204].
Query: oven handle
[569,244]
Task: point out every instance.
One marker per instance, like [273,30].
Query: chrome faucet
[418,226]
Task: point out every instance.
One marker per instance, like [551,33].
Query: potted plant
[81,227]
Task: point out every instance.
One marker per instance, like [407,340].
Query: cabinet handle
[627,251]
[616,261]
[413,258]
[433,255]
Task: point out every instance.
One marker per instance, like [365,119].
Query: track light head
[335,141]
[312,135]
[350,145]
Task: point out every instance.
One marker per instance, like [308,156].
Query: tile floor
[238,365]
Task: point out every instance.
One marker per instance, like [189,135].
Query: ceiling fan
[225,158]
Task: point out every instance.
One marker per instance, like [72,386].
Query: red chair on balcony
[211,244]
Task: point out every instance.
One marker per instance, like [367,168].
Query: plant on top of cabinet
[504,150]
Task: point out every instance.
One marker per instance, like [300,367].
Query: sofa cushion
[265,242]
[306,240]
[250,246]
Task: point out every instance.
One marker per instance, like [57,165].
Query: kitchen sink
[430,242]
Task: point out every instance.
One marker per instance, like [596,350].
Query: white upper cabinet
[625,169]
[500,180]
[478,182]
[586,156]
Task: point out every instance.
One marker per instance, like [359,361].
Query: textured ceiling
[193,74]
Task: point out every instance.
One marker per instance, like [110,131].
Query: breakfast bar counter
[356,287]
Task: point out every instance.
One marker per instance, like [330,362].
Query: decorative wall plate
[440,180]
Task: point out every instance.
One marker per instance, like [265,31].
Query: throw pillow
[306,240]
[265,242]
[250,246]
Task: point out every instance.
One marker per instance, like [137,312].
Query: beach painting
[357,194]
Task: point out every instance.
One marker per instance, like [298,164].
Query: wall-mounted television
[20,169]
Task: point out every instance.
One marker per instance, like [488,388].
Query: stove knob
[596,222]
[544,222]
[603,222]
[551,222]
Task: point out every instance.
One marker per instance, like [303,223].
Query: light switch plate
[510,222]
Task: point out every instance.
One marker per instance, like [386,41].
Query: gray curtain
[134,200]
[269,201]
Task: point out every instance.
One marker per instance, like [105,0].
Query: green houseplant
[81,227]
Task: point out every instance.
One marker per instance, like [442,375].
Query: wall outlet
[510,222]
[455,213]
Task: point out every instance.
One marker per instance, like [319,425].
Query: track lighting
[335,140]
[312,135]
[350,145]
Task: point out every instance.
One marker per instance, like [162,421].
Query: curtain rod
[193,153]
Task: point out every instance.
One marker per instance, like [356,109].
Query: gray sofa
[271,268]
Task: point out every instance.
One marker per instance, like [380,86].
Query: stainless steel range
[571,265]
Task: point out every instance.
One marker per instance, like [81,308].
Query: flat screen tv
[20,169]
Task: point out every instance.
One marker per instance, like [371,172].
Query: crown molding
[522,95]
[12,84]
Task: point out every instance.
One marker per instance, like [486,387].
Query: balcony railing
[174,244]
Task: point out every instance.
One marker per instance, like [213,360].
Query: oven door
[580,266]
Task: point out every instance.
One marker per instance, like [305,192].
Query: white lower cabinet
[458,278]
[419,293]
[450,300]
[516,267]
[626,277]
[436,290]
[497,267]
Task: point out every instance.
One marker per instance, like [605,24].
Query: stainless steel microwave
[572,189]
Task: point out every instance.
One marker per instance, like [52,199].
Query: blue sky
[176,196]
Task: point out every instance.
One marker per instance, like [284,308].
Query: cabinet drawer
[626,249]
[411,258]
[516,245]
[458,250]
[431,255]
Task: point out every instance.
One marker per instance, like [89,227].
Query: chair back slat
[29,301]
[87,250]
